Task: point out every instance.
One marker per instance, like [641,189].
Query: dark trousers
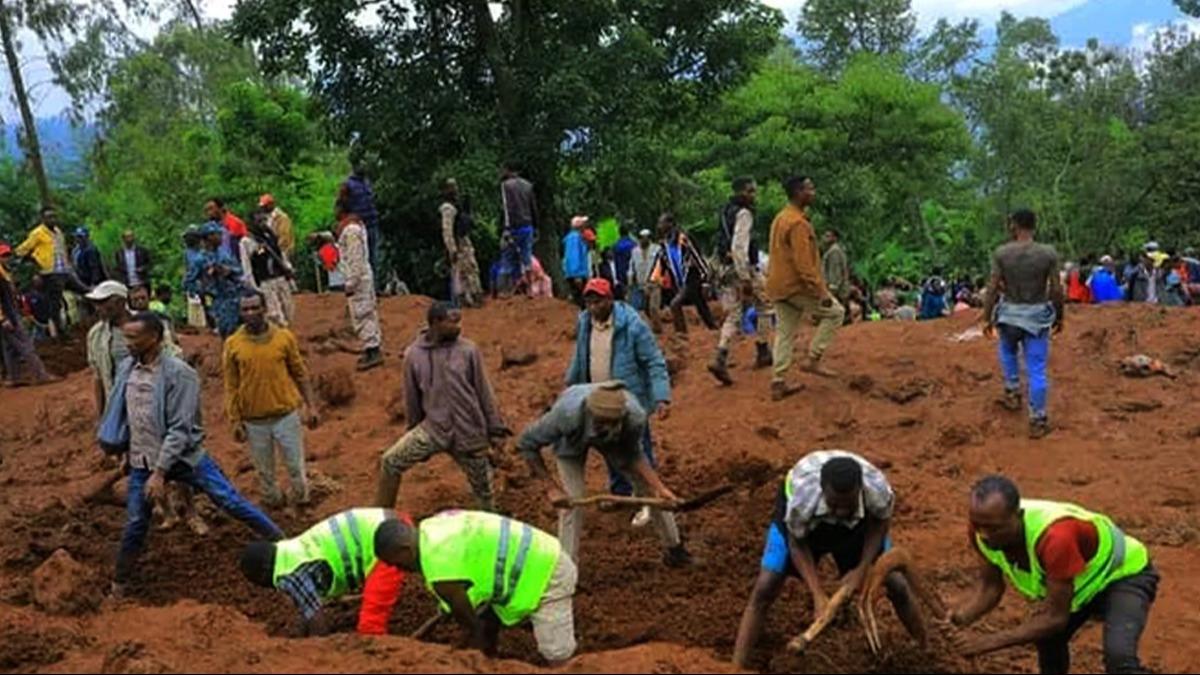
[618,484]
[208,478]
[54,284]
[1123,607]
[693,294]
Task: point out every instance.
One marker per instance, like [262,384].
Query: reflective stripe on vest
[352,580]
[503,585]
[1117,555]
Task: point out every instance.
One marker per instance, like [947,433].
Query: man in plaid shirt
[834,503]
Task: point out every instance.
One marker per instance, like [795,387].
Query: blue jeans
[617,483]
[1037,353]
[519,256]
[207,478]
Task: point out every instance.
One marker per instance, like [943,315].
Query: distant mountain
[63,145]
[1111,21]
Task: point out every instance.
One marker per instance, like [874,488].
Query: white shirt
[131,266]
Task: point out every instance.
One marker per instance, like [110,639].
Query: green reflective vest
[1117,555]
[345,541]
[507,563]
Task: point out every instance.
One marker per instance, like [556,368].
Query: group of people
[487,569]
[1152,276]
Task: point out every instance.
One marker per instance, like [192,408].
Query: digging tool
[801,642]
[895,560]
[425,628]
[654,502]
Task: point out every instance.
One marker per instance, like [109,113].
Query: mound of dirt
[915,403]
[63,586]
[336,387]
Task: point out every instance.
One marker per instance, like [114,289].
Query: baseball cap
[81,232]
[107,289]
[644,233]
[1151,246]
[579,222]
[1104,260]
[599,287]
[266,200]
[5,249]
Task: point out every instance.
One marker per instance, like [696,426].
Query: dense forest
[919,141]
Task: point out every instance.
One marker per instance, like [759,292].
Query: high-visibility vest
[1118,555]
[346,542]
[507,563]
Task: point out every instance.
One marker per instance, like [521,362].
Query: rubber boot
[370,358]
[720,367]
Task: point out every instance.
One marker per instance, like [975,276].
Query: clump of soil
[336,387]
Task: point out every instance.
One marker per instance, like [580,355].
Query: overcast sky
[50,100]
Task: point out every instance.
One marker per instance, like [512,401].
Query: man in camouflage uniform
[740,280]
[457,222]
[355,267]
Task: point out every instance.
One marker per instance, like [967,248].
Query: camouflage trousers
[417,447]
[364,316]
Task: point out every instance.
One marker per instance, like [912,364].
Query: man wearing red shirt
[1078,564]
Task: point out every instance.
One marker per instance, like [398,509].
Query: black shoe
[720,369]
[371,358]
[1039,427]
[677,557]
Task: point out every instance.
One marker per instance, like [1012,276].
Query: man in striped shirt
[834,503]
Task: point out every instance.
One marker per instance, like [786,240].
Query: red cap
[266,200]
[598,286]
[589,235]
[5,249]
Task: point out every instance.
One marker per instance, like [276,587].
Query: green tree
[876,143]
[433,88]
[836,30]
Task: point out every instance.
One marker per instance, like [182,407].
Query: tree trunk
[30,144]
[191,7]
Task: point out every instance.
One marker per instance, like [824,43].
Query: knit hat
[607,401]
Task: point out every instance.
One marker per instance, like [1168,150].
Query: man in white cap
[105,341]
[644,292]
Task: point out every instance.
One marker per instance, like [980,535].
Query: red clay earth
[910,398]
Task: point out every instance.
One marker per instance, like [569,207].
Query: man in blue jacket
[612,342]
[576,269]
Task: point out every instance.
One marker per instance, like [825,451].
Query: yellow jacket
[40,246]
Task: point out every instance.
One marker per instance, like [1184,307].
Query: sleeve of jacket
[36,239]
[147,262]
[296,366]
[183,406]
[448,214]
[380,593]
[412,390]
[245,246]
[354,252]
[577,372]
[740,247]
[547,430]
[487,397]
[233,385]
[119,267]
[650,360]
[805,262]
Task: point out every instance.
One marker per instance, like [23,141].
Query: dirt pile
[918,399]
[63,586]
